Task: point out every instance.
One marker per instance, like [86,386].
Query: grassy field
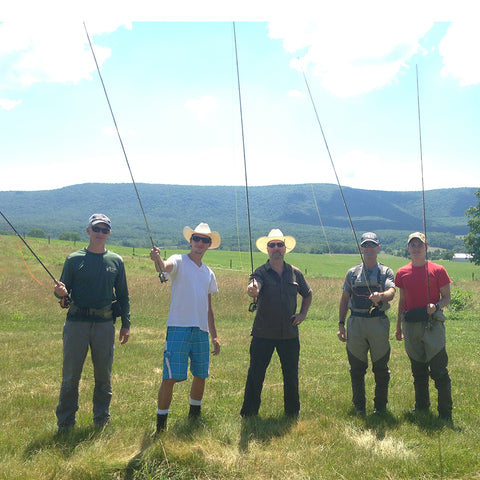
[327,441]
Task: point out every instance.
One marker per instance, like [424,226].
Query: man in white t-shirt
[190,320]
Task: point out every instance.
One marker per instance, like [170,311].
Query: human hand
[399,334]
[376,297]
[155,254]
[216,346]
[60,289]
[298,318]
[431,308]
[341,334]
[124,335]
[253,289]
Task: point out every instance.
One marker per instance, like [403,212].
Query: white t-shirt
[190,287]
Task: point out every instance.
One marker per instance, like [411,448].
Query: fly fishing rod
[338,183]
[253,306]
[161,275]
[423,193]
[64,301]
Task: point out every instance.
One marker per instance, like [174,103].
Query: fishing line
[317,208]
[23,256]
[28,246]
[253,305]
[64,301]
[338,180]
[161,275]
[320,219]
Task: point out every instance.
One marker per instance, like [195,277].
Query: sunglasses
[100,229]
[275,244]
[369,245]
[196,238]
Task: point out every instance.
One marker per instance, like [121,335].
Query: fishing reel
[65,301]
[374,308]
[163,278]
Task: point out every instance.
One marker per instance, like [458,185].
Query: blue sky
[173,89]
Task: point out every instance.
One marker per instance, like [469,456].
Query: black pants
[261,351]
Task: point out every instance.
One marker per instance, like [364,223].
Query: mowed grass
[327,441]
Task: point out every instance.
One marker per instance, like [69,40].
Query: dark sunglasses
[196,238]
[369,245]
[100,229]
[275,244]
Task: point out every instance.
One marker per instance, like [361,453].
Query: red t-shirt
[413,281]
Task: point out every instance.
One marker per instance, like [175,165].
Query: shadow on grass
[263,430]
[186,428]
[152,461]
[379,422]
[138,462]
[428,422]
[64,443]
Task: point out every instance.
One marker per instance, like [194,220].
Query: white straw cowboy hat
[276,234]
[203,229]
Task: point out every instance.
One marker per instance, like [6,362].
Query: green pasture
[327,442]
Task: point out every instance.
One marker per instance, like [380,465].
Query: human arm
[386,296]
[160,264]
[342,315]
[212,327]
[299,317]
[445,298]
[401,303]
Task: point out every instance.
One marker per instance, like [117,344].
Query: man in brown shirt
[276,285]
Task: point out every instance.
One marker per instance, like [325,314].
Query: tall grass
[327,441]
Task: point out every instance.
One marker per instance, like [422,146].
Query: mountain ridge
[292,208]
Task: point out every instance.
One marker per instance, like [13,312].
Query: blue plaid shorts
[181,344]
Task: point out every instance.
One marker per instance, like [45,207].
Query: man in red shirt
[424,291]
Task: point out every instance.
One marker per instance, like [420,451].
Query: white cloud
[202,107]
[352,56]
[459,49]
[9,104]
[49,51]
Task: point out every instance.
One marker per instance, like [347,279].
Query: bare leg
[165,394]
[198,387]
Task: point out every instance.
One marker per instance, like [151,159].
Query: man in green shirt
[94,277]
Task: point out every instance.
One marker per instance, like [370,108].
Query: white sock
[162,412]
[195,402]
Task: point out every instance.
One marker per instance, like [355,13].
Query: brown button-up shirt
[277,301]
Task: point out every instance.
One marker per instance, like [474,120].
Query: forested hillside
[292,208]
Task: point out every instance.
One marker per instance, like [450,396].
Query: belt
[375,313]
[105,312]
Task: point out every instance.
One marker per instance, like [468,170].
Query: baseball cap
[99,218]
[369,237]
[418,235]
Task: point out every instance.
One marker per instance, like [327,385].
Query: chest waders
[368,330]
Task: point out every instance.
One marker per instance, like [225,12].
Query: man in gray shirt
[367,289]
